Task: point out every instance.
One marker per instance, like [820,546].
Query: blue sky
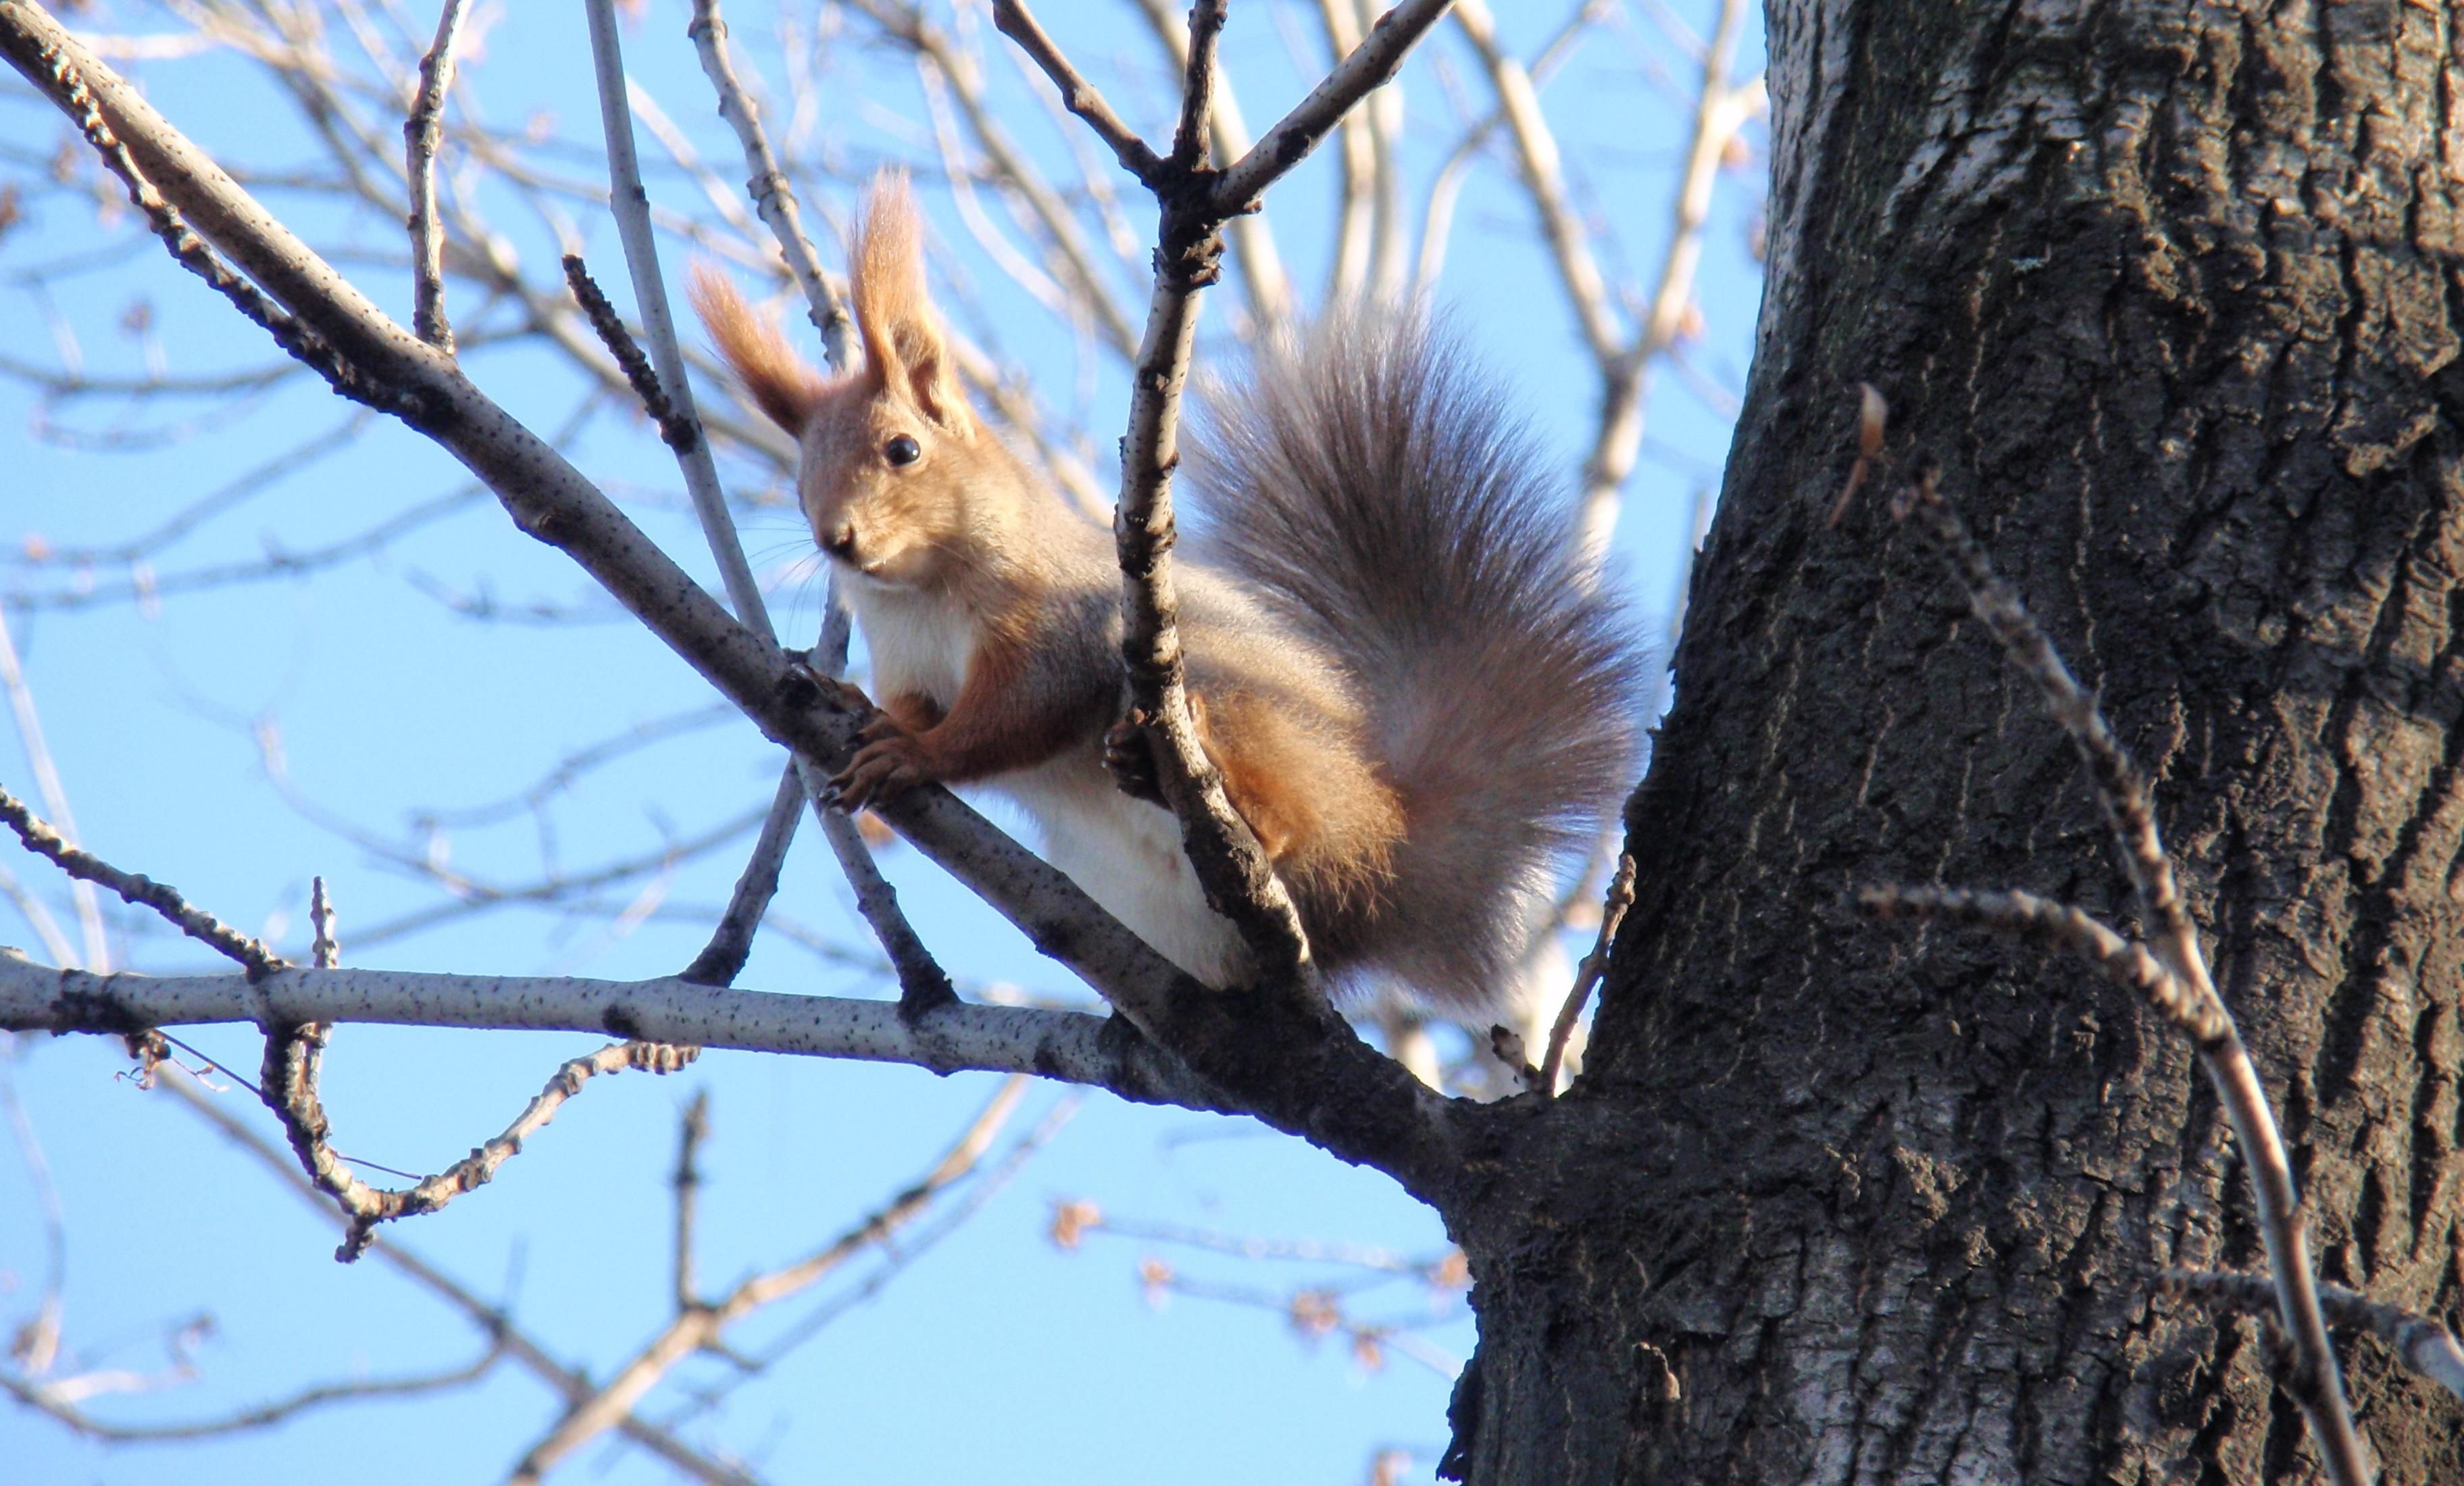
[993,1356]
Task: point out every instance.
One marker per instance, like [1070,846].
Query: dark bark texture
[2170,291]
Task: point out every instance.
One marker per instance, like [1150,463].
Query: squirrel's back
[1380,495]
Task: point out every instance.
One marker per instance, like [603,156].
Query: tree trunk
[2170,292]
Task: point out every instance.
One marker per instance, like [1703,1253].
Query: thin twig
[639,374]
[731,943]
[489,1319]
[143,891]
[1268,291]
[291,1079]
[2419,1342]
[421,132]
[192,252]
[1013,19]
[1370,65]
[325,949]
[701,1326]
[1720,112]
[47,1399]
[695,1129]
[923,986]
[631,204]
[1587,975]
[2121,788]
[1544,181]
[2127,799]
[774,197]
[2126,961]
[1383,113]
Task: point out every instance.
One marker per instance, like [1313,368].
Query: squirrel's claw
[886,764]
[881,726]
[1130,763]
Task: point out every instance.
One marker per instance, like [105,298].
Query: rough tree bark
[2170,290]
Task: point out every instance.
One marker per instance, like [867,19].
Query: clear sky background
[458,663]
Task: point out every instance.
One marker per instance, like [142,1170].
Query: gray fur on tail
[1378,492]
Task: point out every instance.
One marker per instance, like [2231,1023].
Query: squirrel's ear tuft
[904,347]
[781,383]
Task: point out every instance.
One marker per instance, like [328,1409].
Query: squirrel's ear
[782,384]
[903,344]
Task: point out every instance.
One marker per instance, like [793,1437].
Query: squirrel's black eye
[902,450]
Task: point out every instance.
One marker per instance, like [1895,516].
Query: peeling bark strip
[2173,287]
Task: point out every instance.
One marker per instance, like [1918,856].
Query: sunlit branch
[422,133]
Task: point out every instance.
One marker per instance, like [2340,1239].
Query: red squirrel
[1421,702]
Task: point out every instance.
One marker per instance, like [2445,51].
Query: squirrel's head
[894,463]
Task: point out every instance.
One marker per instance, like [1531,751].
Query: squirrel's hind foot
[1129,760]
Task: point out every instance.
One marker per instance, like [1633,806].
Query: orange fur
[903,342]
[1408,697]
[783,386]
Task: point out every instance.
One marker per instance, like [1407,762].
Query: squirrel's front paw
[1128,758]
[889,762]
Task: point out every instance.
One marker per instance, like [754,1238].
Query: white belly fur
[1126,853]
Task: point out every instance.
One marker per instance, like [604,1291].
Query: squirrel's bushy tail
[1378,492]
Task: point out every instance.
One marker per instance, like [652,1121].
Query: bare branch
[290,1086]
[1281,1056]
[631,206]
[731,943]
[2126,961]
[53,67]
[1720,112]
[1587,975]
[2418,1342]
[1199,81]
[420,134]
[1014,20]
[695,1129]
[1231,867]
[1356,160]
[1370,65]
[1536,155]
[143,891]
[36,1396]
[1253,242]
[1070,1046]
[675,431]
[923,986]
[2129,809]
[772,197]
[55,794]
[489,1319]
[701,1324]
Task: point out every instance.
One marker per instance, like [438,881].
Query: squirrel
[1420,700]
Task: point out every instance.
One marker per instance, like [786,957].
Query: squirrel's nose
[839,541]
